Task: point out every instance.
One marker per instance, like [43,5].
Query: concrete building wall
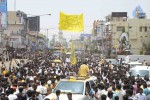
[14,19]
[16,27]
[139,33]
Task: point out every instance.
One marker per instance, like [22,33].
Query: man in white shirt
[42,89]
[127,59]
[12,96]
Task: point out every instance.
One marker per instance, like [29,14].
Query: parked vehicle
[142,71]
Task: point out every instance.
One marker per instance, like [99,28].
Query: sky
[92,10]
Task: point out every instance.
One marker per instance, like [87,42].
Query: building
[42,41]
[36,41]
[118,33]
[128,32]
[99,35]
[17,29]
[62,40]
[139,33]
[116,24]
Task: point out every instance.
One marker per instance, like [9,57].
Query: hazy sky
[92,10]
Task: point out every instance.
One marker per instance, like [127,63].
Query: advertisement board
[34,23]
[3,14]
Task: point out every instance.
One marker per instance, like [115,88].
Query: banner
[138,12]
[34,23]
[73,55]
[3,14]
[72,23]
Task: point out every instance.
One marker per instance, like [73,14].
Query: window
[14,39]
[142,73]
[130,27]
[120,28]
[145,28]
[69,86]
[140,29]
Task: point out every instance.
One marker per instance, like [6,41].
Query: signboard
[85,35]
[138,12]
[3,14]
[34,23]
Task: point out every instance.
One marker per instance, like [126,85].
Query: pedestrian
[69,95]
[11,95]
[96,93]
[109,95]
[116,98]
[140,95]
[58,94]
[84,69]
[127,59]
[103,97]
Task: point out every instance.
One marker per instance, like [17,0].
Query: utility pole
[47,38]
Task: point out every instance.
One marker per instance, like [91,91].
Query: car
[78,86]
[142,71]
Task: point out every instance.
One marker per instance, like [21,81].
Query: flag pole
[84,45]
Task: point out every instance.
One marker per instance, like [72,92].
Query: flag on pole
[71,22]
[73,56]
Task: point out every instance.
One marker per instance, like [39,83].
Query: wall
[136,36]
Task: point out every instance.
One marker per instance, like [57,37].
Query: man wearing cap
[48,86]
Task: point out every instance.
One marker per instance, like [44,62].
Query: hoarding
[3,14]
[34,23]
[138,12]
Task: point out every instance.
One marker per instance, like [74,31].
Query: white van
[134,64]
[140,70]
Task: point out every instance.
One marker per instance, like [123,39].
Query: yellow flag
[73,56]
[72,23]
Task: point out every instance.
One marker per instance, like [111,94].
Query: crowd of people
[35,79]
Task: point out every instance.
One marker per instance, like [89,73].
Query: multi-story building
[36,41]
[117,25]
[122,33]
[62,40]
[128,32]
[139,34]
[17,29]
[42,41]
[102,36]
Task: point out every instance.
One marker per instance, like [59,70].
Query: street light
[37,26]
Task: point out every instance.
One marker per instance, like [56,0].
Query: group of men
[36,79]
